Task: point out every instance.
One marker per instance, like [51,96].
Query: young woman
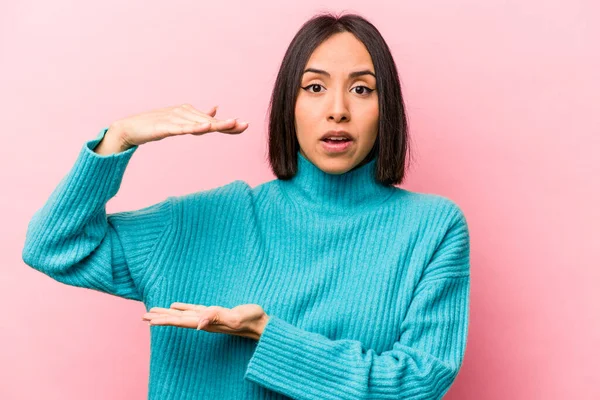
[328,282]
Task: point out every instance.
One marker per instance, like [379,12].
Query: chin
[335,166]
[337,171]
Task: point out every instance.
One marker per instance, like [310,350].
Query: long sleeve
[422,364]
[74,241]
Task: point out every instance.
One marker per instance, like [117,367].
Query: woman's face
[332,98]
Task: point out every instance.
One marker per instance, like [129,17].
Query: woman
[325,283]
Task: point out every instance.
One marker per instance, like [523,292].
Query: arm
[74,241]
[422,364]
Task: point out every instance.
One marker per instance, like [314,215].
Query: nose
[338,111]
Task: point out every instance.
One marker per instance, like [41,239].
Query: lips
[332,146]
[336,139]
[336,136]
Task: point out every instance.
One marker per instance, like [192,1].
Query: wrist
[112,142]
[260,325]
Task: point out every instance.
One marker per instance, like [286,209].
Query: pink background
[502,97]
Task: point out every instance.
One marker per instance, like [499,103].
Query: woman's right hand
[164,122]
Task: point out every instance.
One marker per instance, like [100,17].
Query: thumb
[212,111]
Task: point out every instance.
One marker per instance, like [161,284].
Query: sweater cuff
[95,177]
[90,145]
[282,353]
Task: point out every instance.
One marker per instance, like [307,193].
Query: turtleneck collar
[338,194]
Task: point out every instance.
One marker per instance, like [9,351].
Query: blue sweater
[367,286]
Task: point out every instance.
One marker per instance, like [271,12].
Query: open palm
[241,320]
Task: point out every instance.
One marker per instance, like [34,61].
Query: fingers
[181,126]
[183,321]
[199,125]
[217,318]
[171,311]
[212,315]
[186,306]
[220,125]
[165,316]
[240,127]
[231,126]
[211,111]
[188,112]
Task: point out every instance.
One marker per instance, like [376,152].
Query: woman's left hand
[247,320]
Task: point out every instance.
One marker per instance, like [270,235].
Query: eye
[313,85]
[363,89]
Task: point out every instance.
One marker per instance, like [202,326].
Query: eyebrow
[350,75]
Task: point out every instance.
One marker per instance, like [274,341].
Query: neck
[354,190]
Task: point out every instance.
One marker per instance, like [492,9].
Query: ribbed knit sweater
[366,285]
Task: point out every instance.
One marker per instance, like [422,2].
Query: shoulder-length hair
[391,144]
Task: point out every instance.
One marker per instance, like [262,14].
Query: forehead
[341,51]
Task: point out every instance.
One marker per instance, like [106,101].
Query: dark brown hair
[391,144]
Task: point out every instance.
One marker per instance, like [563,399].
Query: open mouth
[336,145]
[331,140]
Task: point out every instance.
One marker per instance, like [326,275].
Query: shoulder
[429,214]
[227,192]
[444,234]
[428,204]
[237,195]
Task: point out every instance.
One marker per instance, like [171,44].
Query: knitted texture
[366,286]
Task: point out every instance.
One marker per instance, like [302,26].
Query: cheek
[301,121]
[370,119]
[302,111]
[304,117]
[374,115]
[375,122]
